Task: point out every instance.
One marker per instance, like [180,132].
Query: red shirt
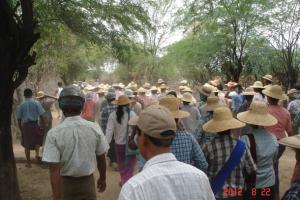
[284,121]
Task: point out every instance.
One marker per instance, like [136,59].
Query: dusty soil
[35,184]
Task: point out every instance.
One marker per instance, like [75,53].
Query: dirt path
[35,183]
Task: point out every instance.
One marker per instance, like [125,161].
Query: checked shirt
[106,111]
[217,152]
[186,149]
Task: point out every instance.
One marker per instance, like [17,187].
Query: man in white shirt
[72,148]
[163,177]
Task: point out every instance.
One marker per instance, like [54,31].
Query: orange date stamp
[239,192]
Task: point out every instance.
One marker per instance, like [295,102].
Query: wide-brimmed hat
[293,141]
[160,81]
[122,100]
[248,92]
[274,91]
[153,88]
[183,82]
[257,115]
[292,91]
[142,90]
[222,120]
[163,86]
[187,89]
[129,93]
[172,103]
[133,121]
[147,86]
[268,77]
[231,84]
[101,91]
[40,94]
[187,97]
[90,87]
[215,82]
[205,90]
[258,84]
[212,103]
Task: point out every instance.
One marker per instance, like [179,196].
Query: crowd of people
[216,141]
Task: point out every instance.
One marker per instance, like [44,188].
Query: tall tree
[104,22]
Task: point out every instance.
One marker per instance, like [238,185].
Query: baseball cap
[155,120]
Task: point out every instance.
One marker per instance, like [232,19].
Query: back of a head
[59,84]
[71,99]
[28,93]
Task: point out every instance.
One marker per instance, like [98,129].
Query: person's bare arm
[101,164]
[55,180]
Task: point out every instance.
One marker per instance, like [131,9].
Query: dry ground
[35,183]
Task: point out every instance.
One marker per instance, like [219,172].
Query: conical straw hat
[268,77]
[187,89]
[172,103]
[212,103]
[258,84]
[40,94]
[248,92]
[187,97]
[293,141]
[257,115]
[122,100]
[153,88]
[205,90]
[275,91]
[222,120]
[142,90]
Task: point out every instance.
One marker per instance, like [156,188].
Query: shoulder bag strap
[229,166]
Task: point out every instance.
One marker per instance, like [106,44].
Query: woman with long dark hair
[118,127]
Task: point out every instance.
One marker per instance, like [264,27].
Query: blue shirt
[266,154]
[30,110]
[294,192]
[186,149]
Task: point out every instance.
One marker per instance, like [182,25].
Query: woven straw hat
[268,77]
[258,84]
[205,90]
[147,86]
[187,97]
[160,81]
[153,88]
[129,93]
[101,91]
[40,94]
[293,91]
[187,89]
[212,103]
[293,141]
[90,88]
[141,90]
[257,115]
[133,121]
[248,92]
[172,103]
[222,120]
[163,86]
[122,100]
[215,82]
[183,82]
[275,91]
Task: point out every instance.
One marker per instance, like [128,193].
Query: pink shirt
[284,121]
[145,99]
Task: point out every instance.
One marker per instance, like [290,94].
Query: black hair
[259,90]
[162,142]
[71,104]
[28,93]
[220,87]
[273,101]
[120,113]
[249,98]
[59,84]
[172,93]
[185,103]
[297,86]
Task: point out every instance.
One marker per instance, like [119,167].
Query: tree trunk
[9,188]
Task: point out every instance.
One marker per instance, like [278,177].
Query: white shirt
[165,178]
[258,97]
[75,143]
[119,131]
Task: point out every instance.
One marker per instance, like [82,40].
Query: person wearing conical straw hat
[267,80]
[274,93]
[204,91]
[263,147]
[135,106]
[183,83]
[117,127]
[294,107]
[258,88]
[163,90]
[142,95]
[184,146]
[154,95]
[160,82]
[46,101]
[211,104]
[294,143]
[248,95]
[189,122]
[219,151]
[107,108]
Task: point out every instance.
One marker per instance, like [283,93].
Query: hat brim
[39,97]
[248,93]
[257,87]
[214,126]
[257,119]
[187,100]
[133,121]
[293,141]
[179,114]
[212,107]
[275,96]
[203,92]
[121,103]
[266,78]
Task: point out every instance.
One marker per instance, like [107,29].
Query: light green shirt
[75,144]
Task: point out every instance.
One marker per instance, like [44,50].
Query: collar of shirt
[161,158]
[74,118]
